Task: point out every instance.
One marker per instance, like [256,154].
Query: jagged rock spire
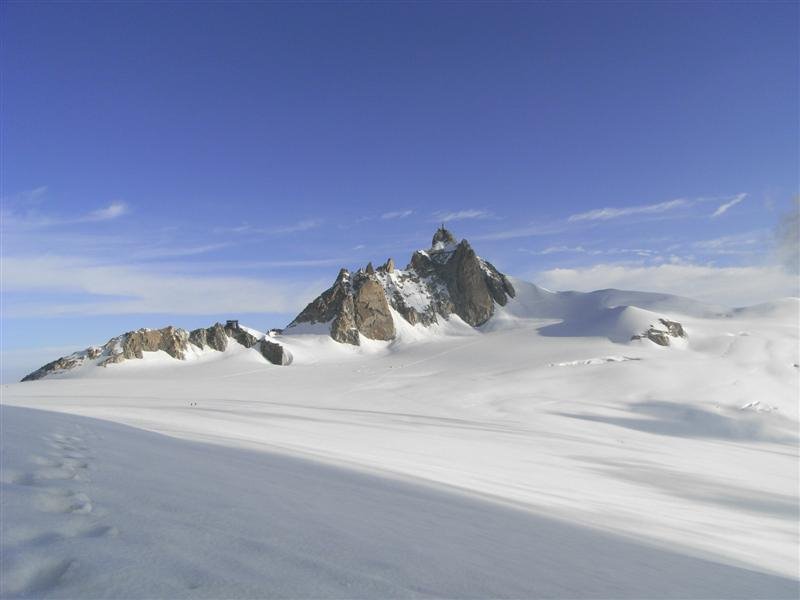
[443,237]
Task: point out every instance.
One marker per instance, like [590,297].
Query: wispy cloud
[591,252]
[23,216]
[604,214]
[555,250]
[27,196]
[303,225]
[723,208]
[397,214]
[112,211]
[463,215]
[732,243]
[175,252]
[532,230]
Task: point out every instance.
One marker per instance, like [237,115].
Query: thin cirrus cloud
[463,215]
[112,211]
[397,214]
[726,206]
[604,214]
[176,252]
[590,252]
[33,219]
[299,226]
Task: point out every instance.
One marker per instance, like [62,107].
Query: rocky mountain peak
[447,279]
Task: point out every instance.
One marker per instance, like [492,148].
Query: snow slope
[689,452]
[104,511]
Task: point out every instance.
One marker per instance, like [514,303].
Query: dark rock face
[671,330]
[275,353]
[473,285]
[469,292]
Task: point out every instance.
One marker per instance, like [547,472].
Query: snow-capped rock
[663,334]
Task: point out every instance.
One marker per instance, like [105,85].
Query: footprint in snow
[68,460]
[35,575]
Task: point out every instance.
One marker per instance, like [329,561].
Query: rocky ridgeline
[174,341]
[448,278]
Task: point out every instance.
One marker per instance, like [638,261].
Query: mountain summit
[446,279]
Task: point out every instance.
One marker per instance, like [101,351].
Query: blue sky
[186,162]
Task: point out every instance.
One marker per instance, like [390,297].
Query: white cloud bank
[729,286]
[787,237]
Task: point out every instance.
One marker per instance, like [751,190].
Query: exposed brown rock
[172,340]
[214,337]
[372,315]
[169,339]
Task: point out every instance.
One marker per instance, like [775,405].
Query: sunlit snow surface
[543,456]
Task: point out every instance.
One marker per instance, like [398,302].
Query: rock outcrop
[64,363]
[448,278]
[354,305]
[373,317]
[244,337]
[213,337]
[275,353]
[662,336]
[169,339]
[176,342]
